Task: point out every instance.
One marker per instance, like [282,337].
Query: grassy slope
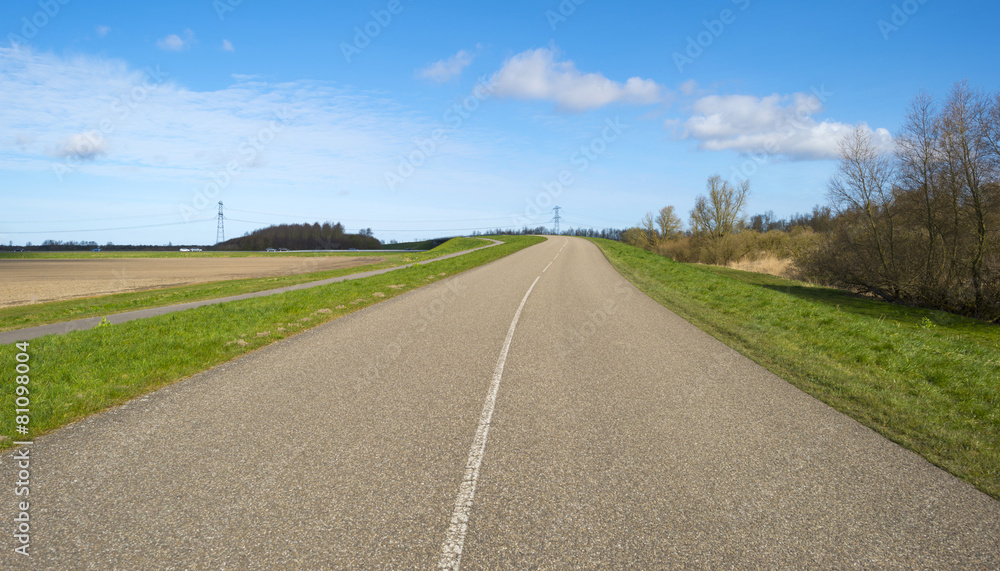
[22,316]
[83,372]
[925,379]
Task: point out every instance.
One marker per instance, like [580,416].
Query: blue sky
[128,122]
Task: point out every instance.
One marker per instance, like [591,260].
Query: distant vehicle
[19,250]
[185,250]
[282,249]
[353,250]
[96,250]
[195,249]
[270,250]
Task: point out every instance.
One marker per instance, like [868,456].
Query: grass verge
[22,316]
[925,379]
[83,372]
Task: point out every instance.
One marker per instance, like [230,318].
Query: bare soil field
[33,281]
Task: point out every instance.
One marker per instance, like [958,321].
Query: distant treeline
[86,246]
[607,233]
[315,236]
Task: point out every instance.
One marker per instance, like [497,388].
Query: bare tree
[670,225]
[920,167]
[964,125]
[649,228]
[923,226]
[716,217]
[862,189]
[722,212]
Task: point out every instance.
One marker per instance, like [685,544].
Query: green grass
[925,379]
[22,316]
[83,372]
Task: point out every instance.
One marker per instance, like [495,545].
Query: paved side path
[619,437]
[28,333]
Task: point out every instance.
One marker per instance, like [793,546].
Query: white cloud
[535,74]
[103,31]
[82,146]
[446,69]
[175,43]
[775,125]
[227,46]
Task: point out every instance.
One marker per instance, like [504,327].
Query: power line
[601,220]
[313,217]
[125,217]
[108,229]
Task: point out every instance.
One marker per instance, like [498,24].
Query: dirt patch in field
[35,281]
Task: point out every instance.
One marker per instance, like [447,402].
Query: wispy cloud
[227,46]
[109,119]
[775,125]
[175,43]
[103,31]
[536,74]
[446,69]
[23,141]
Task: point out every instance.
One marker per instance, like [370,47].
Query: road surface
[534,413]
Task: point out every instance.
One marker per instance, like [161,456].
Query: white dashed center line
[451,552]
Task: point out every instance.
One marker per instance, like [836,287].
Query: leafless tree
[670,225]
[721,212]
[716,217]
[964,124]
[862,189]
[920,161]
[921,225]
[649,229]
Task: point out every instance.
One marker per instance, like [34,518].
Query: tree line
[917,224]
[921,224]
[314,236]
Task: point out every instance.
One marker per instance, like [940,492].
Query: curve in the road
[622,437]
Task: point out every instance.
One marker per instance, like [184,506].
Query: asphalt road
[598,431]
